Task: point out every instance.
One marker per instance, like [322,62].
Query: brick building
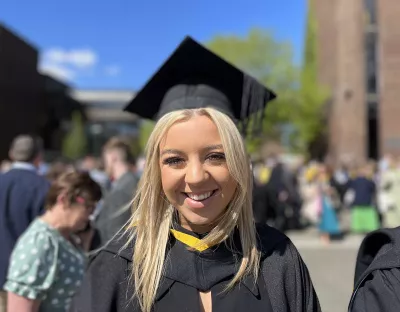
[359,60]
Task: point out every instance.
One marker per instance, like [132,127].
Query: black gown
[377,274]
[283,284]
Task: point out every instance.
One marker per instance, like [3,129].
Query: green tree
[271,62]
[311,120]
[74,144]
[146,127]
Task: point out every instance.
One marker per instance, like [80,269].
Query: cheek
[171,181]
[228,188]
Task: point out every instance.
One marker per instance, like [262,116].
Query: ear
[61,198]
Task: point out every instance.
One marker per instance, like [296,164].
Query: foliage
[270,61]
[75,142]
[146,127]
[311,121]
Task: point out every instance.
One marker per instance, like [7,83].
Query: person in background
[309,190]
[328,224]
[5,166]
[364,215]
[114,211]
[56,169]
[340,181]
[22,197]
[389,197]
[377,273]
[93,166]
[47,263]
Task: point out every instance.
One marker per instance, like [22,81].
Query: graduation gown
[284,284]
[377,275]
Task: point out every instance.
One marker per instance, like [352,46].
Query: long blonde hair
[153,215]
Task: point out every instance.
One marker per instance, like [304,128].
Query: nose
[195,172]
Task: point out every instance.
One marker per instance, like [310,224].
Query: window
[371,66]
[370,10]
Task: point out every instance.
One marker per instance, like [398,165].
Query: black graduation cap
[194,77]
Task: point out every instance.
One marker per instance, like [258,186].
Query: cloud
[79,58]
[112,70]
[68,64]
[57,71]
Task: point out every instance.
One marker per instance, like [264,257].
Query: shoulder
[36,241]
[378,293]
[285,272]
[270,239]
[29,178]
[106,283]
[277,250]
[378,250]
[117,250]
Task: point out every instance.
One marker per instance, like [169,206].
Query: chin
[197,219]
[80,227]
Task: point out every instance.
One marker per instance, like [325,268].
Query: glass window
[370,10]
[371,62]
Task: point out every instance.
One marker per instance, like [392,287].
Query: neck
[196,228]
[52,218]
[120,170]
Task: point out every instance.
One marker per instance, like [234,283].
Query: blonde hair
[153,215]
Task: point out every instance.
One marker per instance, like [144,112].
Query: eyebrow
[208,148]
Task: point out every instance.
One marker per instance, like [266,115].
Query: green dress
[45,266]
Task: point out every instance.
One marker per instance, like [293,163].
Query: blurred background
[67,68]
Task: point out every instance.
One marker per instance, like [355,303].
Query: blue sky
[118,44]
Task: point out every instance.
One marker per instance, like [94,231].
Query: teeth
[200,197]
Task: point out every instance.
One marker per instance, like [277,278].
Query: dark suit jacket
[22,197]
[115,212]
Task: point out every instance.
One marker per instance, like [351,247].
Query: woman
[328,223]
[192,244]
[47,263]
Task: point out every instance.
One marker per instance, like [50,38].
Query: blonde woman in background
[192,244]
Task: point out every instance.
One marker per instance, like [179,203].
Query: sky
[118,44]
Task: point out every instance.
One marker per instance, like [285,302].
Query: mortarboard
[194,77]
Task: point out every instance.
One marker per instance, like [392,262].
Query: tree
[270,61]
[74,144]
[311,119]
[146,127]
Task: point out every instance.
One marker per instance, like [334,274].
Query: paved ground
[331,267]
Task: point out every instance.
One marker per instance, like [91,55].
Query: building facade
[19,88]
[105,116]
[359,61]
[29,101]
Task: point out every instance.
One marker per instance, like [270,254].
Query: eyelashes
[172,161]
[214,158]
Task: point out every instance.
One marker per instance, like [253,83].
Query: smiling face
[194,173]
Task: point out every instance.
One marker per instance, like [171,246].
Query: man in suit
[115,210]
[22,197]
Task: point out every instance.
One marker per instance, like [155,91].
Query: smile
[200,197]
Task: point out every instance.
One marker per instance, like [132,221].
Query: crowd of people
[348,198]
[77,207]
[51,219]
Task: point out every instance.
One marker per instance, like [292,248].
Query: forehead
[195,133]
